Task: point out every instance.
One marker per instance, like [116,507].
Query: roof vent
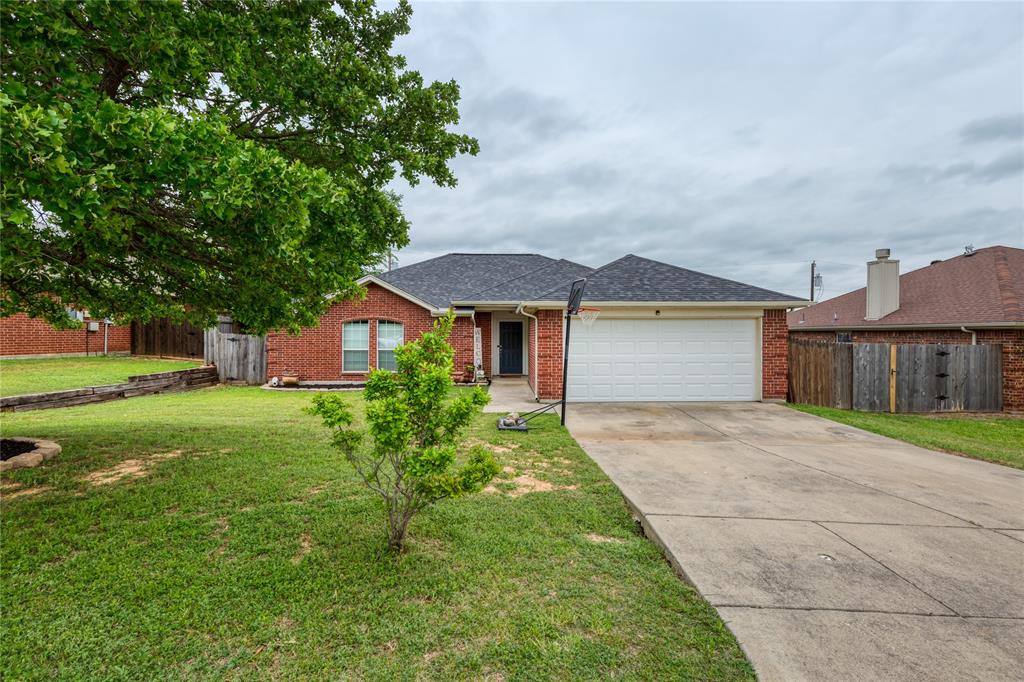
[969,250]
[881,254]
[937,260]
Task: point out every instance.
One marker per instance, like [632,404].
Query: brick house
[977,297]
[664,332]
[22,336]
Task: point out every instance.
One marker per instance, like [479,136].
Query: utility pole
[813,266]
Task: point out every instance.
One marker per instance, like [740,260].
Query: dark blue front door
[510,347]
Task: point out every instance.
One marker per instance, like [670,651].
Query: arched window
[390,335]
[355,346]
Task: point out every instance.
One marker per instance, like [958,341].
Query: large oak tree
[184,159]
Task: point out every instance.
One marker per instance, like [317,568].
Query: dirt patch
[221,533]
[305,547]
[527,483]
[128,469]
[594,537]
[431,655]
[18,491]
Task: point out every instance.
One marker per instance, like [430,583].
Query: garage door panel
[619,359]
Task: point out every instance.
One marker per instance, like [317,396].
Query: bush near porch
[217,535]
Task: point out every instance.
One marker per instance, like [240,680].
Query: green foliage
[415,429]
[182,159]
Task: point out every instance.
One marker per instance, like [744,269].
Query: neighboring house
[23,336]
[664,333]
[976,297]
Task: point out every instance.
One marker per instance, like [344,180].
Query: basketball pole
[565,361]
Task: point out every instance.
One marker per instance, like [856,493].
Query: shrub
[415,427]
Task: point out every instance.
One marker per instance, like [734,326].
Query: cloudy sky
[743,140]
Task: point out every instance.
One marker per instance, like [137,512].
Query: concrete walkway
[512,394]
[830,552]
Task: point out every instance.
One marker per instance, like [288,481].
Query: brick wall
[23,335]
[1012,341]
[315,353]
[546,365]
[774,355]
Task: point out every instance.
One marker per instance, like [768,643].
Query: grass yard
[992,438]
[57,374]
[215,535]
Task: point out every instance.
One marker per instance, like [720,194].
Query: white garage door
[624,360]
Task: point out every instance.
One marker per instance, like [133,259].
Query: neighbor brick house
[977,297]
[664,332]
[24,336]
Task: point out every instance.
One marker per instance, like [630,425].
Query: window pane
[386,360]
[390,335]
[355,360]
[356,335]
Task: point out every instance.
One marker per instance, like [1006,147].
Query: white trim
[368,279]
[557,305]
[355,350]
[759,360]
[497,317]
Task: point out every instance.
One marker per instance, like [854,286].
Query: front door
[510,347]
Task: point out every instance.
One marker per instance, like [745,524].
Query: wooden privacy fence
[163,338]
[882,377]
[240,358]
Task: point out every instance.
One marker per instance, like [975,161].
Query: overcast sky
[742,140]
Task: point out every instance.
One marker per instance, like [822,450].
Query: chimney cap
[881,254]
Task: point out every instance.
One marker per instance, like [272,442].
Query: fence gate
[239,358]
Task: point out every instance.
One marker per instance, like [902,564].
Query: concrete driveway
[830,552]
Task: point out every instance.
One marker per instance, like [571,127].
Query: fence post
[892,378]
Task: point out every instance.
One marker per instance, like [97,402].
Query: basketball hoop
[588,315]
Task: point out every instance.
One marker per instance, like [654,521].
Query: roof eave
[373,279]
[672,304]
[908,325]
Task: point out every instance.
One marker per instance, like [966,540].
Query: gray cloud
[1008,127]
[743,140]
[1003,167]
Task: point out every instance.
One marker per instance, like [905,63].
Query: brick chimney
[883,294]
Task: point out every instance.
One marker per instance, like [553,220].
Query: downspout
[106,328]
[533,361]
[974,335]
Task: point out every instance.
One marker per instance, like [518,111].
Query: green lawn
[238,545]
[992,438]
[57,374]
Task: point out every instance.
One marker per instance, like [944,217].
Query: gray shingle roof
[527,287]
[632,278]
[457,276]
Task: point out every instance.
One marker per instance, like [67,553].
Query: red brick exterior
[23,335]
[1012,341]
[315,354]
[774,355]
[546,354]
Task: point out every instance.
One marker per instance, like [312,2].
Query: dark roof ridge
[546,266]
[540,297]
[720,279]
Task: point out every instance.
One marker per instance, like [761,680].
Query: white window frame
[345,347]
[401,325]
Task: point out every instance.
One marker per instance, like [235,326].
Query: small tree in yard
[415,430]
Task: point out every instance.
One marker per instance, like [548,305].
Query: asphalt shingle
[457,276]
[636,279]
